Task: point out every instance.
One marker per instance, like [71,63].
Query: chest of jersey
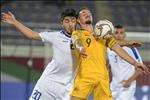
[87,40]
[63,43]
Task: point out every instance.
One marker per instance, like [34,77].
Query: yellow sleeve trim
[110,42]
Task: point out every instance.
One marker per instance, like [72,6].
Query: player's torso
[60,68]
[95,63]
[120,67]
[62,48]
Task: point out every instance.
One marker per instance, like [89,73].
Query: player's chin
[69,30]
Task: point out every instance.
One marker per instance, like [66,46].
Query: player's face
[85,17]
[69,24]
[119,33]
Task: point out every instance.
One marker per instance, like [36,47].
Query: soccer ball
[103,29]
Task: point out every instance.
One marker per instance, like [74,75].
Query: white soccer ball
[103,29]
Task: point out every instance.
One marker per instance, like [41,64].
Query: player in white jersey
[124,75]
[58,73]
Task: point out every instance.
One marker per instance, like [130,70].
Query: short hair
[83,8]
[68,12]
[118,26]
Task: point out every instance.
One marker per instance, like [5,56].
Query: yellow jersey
[94,65]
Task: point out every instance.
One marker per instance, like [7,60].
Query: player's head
[84,16]
[68,18]
[119,33]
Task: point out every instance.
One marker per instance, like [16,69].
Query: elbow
[34,36]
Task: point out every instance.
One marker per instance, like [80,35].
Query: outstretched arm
[124,55]
[10,19]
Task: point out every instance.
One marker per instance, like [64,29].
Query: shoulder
[54,31]
[77,33]
[50,32]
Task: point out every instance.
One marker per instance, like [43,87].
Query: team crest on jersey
[74,38]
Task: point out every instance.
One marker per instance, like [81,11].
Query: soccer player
[58,73]
[123,84]
[92,74]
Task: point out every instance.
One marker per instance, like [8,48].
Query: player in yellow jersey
[92,75]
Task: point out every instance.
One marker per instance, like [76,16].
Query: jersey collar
[66,34]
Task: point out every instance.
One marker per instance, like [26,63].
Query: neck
[66,33]
[87,27]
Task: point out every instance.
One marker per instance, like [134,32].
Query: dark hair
[68,12]
[118,26]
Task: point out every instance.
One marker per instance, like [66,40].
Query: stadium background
[23,60]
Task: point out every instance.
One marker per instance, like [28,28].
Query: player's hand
[142,68]
[134,43]
[139,71]
[126,83]
[8,18]
[83,52]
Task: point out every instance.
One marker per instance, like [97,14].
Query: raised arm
[10,19]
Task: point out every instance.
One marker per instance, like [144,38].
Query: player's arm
[78,44]
[124,55]
[129,43]
[127,83]
[10,19]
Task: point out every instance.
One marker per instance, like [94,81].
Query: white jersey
[60,68]
[122,70]
[59,72]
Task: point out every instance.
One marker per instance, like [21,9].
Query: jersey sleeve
[110,42]
[47,36]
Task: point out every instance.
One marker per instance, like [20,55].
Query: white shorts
[48,90]
[121,93]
